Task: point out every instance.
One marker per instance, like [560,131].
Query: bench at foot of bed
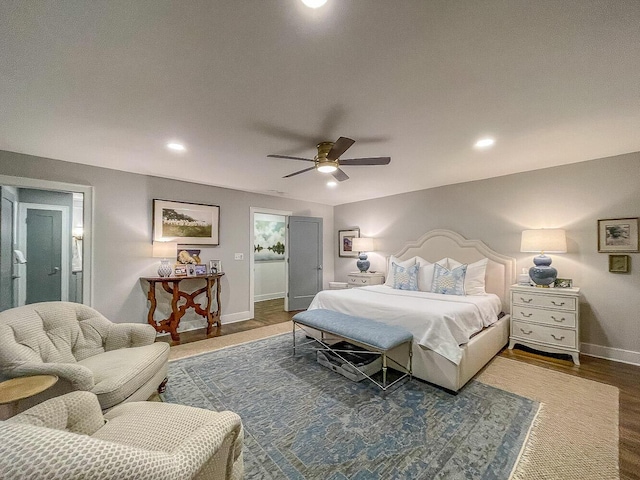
[375,336]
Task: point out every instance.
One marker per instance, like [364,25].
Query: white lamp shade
[544,240]
[165,249]
[362,244]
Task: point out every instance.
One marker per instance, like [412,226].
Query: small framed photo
[180,270]
[201,269]
[215,266]
[618,235]
[191,269]
[563,283]
[619,263]
[345,242]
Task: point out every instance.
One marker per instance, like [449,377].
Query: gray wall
[496,211]
[123,230]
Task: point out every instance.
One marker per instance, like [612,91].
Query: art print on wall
[345,242]
[618,235]
[269,241]
[186,223]
[186,255]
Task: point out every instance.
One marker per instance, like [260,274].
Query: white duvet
[438,322]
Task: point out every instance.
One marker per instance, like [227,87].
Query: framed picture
[619,263]
[201,269]
[345,242]
[191,269]
[618,235]
[188,256]
[563,283]
[186,223]
[180,270]
[215,266]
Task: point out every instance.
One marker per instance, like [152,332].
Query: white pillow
[425,273]
[474,278]
[390,281]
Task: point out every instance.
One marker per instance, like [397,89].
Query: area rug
[303,421]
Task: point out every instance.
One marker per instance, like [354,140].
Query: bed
[437,358]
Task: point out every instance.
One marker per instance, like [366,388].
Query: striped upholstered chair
[69,438]
[119,362]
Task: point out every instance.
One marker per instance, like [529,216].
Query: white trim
[268,296]
[65,241]
[252,212]
[236,317]
[609,353]
[87,241]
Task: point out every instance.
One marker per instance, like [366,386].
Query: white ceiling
[109,83]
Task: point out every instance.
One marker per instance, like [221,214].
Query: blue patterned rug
[303,421]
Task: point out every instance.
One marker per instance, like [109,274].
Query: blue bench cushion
[363,330]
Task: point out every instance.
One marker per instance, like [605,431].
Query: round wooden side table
[19,388]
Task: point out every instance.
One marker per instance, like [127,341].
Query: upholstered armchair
[69,438]
[117,362]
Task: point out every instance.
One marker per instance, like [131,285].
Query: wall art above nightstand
[619,263]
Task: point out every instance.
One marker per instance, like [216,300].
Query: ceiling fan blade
[290,158]
[365,161]
[299,172]
[340,175]
[341,146]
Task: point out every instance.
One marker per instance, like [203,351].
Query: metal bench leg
[384,370]
[294,337]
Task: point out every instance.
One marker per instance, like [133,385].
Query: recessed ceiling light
[332,183]
[314,3]
[485,143]
[176,147]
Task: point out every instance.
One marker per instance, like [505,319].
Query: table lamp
[543,240]
[165,250]
[362,245]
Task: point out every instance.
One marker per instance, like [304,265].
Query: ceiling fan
[328,159]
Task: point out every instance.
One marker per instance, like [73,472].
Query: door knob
[55,270]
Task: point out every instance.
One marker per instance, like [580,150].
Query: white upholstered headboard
[437,244]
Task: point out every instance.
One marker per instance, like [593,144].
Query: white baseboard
[615,354]
[196,323]
[268,296]
[236,317]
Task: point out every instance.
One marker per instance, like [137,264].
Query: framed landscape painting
[186,223]
[345,242]
[618,235]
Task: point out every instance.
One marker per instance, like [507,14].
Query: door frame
[269,211]
[87,220]
[65,240]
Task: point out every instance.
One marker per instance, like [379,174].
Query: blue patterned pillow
[405,278]
[448,282]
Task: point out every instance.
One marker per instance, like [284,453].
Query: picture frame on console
[618,235]
[215,266]
[200,269]
[345,242]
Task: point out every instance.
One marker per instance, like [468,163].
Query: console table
[172,285]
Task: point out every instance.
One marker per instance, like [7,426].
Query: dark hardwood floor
[625,377]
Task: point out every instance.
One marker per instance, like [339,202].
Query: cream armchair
[68,438]
[117,362]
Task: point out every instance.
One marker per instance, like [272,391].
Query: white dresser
[359,279]
[546,319]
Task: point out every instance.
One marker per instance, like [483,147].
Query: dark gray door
[305,260]
[7,299]
[44,255]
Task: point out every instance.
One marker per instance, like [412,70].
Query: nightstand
[546,319]
[359,279]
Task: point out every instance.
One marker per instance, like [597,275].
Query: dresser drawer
[364,280]
[546,301]
[556,317]
[360,281]
[543,334]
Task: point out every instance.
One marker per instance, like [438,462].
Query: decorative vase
[164,270]
[363,264]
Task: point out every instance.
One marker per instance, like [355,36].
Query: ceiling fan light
[327,168]
[314,3]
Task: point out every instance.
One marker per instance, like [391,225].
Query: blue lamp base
[543,274]
[363,264]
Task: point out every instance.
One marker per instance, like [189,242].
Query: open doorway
[268,267]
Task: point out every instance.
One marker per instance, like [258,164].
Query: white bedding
[438,322]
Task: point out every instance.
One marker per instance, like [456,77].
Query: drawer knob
[526,333]
[526,301]
[364,280]
[557,304]
[556,338]
[525,315]
[558,320]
